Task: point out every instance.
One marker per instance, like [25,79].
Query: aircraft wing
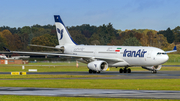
[174,50]
[68,55]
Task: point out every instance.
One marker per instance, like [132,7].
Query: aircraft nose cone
[166,58]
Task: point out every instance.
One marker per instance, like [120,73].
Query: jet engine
[98,65]
[153,68]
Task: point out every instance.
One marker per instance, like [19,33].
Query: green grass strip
[127,84]
[36,76]
[48,98]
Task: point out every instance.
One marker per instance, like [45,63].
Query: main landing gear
[125,70]
[92,71]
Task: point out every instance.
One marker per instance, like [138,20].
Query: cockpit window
[159,53]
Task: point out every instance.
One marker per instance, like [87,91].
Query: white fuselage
[131,55]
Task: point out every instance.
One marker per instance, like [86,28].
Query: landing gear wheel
[129,70]
[125,70]
[90,71]
[121,70]
[94,72]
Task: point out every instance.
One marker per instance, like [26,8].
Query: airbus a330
[99,58]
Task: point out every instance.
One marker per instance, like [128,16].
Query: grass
[47,98]
[170,69]
[126,84]
[172,63]
[174,59]
[42,68]
[8,76]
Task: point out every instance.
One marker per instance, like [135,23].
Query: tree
[85,29]
[106,33]
[45,40]
[1,44]
[115,42]
[93,38]
[132,41]
[78,37]
[95,42]
[144,40]
[17,42]
[162,41]
[26,29]
[7,39]
[176,32]
[168,34]
[25,40]
[126,35]
[151,36]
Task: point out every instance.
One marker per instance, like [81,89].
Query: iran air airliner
[3,56]
[99,58]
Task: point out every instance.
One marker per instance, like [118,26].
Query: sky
[122,14]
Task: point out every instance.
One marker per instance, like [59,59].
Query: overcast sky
[123,14]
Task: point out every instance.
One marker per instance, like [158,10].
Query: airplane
[100,57]
[3,56]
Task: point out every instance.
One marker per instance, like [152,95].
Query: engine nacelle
[98,65]
[158,67]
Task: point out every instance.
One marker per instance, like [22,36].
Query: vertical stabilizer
[64,38]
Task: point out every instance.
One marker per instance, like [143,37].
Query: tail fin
[64,37]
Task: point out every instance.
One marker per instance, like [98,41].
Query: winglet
[174,50]
[6,49]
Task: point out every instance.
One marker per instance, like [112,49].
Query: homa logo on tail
[60,32]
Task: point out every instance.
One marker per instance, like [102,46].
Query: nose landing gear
[154,71]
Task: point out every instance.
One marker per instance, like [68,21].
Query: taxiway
[146,94]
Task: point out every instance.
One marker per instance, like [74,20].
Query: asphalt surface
[116,75]
[146,94]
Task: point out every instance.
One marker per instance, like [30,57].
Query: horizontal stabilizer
[6,49]
[45,46]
